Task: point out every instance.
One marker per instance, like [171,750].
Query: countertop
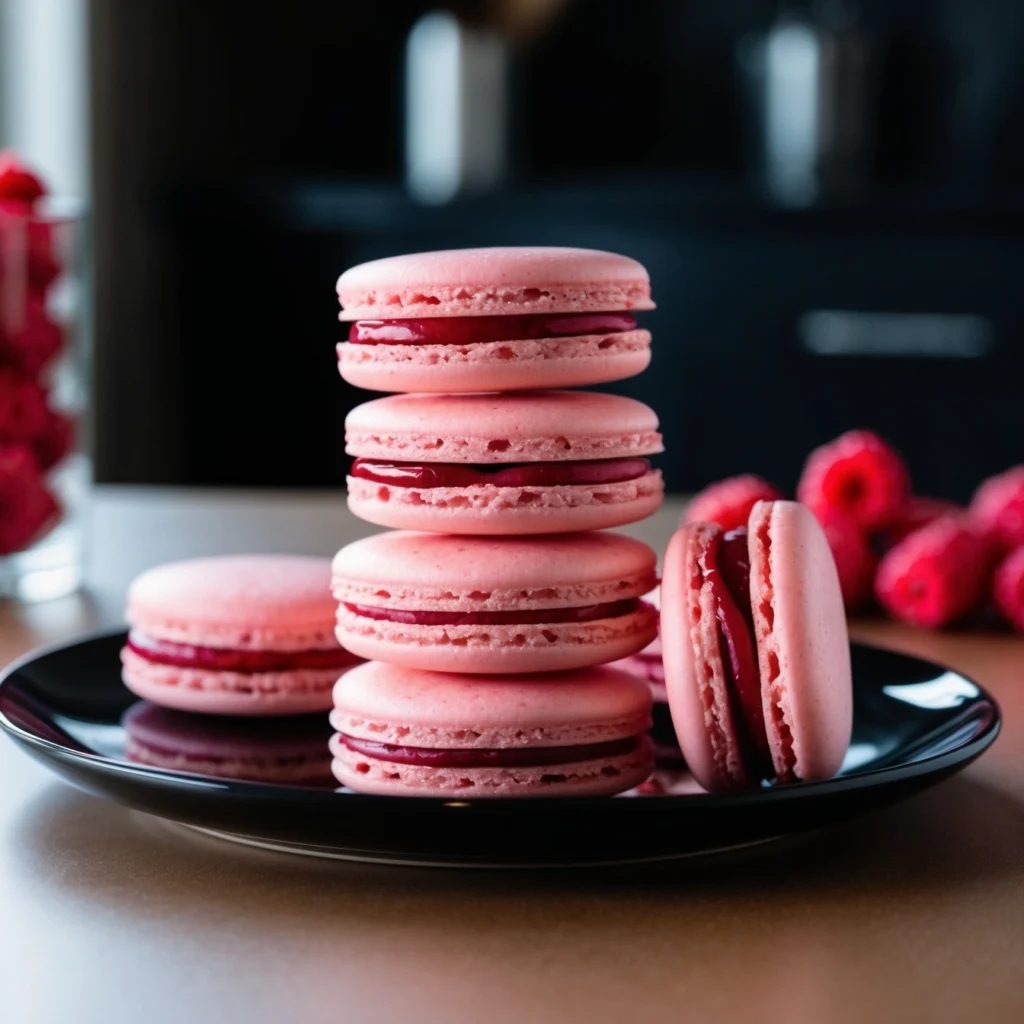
[912,913]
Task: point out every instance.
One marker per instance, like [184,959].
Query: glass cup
[45,471]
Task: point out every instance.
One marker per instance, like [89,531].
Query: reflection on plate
[915,723]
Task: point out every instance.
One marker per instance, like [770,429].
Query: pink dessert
[495,605]
[757,660]
[495,319]
[241,635]
[409,733]
[530,462]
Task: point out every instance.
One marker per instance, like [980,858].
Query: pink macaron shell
[802,640]
[530,426]
[498,649]
[500,280]
[490,510]
[243,602]
[598,777]
[228,693]
[567,362]
[438,572]
[695,678]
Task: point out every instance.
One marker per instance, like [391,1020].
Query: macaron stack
[485,617]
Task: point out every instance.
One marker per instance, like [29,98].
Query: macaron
[498,319]
[450,603]
[237,635]
[528,462]
[408,733]
[757,658]
[289,751]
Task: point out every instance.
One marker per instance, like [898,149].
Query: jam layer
[470,330]
[519,617]
[509,757]
[427,476]
[726,566]
[219,659]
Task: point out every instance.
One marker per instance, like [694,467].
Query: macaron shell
[534,426]
[600,777]
[489,510]
[244,602]
[434,572]
[497,366]
[228,693]
[695,679]
[497,649]
[802,640]
[481,282]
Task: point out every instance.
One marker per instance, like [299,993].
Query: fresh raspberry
[997,509]
[857,474]
[33,242]
[24,415]
[1008,588]
[729,501]
[936,574]
[855,561]
[914,513]
[17,181]
[55,442]
[32,342]
[27,507]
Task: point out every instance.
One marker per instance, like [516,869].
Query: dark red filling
[470,330]
[726,565]
[222,659]
[521,617]
[519,474]
[511,757]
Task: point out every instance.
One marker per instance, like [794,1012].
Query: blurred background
[828,198]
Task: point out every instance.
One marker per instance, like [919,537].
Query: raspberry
[857,474]
[997,509]
[855,561]
[23,412]
[914,513]
[55,442]
[33,342]
[935,575]
[27,507]
[33,241]
[17,181]
[729,501]
[1008,589]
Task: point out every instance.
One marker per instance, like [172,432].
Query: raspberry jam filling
[222,659]
[520,617]
[509,757]
[726,566]
[471,330]
[524,474]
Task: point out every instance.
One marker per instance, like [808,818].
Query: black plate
[915,723]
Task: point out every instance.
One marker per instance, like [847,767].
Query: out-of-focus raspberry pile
[34,437]
[926,561]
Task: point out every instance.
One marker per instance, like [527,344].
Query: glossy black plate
[915,723]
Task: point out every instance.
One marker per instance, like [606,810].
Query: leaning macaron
[407,733]
[529,462]
[495,319]
[290,751]
[237,635]
[757,658]
[495,604]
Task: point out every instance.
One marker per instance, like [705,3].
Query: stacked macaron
[486,615]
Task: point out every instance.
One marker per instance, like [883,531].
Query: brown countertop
[912,913]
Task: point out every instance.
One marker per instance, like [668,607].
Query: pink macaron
[528,462]
[408,733]
[757,659]
[238,635]
[289,751]
[497,319]
[495,604]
